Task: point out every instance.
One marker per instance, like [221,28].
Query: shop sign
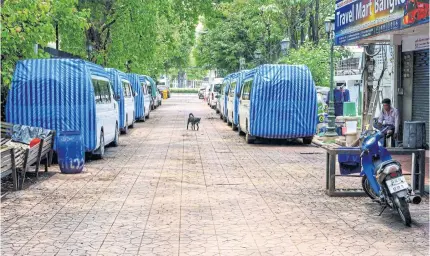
[415,43]
[358,19]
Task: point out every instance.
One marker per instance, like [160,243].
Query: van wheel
[132,123]
[249,139]
[147,117]
[308,140]
[234,127]
[224,118]
[100,153]
[115,142]
[125,129]
[143,119]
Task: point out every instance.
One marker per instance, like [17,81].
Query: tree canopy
[239,29]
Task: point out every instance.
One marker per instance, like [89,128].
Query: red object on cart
[34,142]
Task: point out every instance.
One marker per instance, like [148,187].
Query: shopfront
[404,26]
[415,79]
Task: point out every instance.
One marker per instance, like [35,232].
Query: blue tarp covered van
[278,101]
[65,95]
[232,101]
[125,96]
[139,112]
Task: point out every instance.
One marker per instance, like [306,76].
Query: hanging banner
[358,19]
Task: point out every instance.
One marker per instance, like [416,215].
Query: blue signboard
[358,19]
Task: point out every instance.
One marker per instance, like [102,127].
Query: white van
[230,101]
[244,101]
[215,92]
[124,95]
[147,98]
[128,105]
[107,114]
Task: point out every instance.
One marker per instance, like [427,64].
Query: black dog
[194,121]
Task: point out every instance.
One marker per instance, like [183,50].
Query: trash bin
[70,151]
[165,94]
[349,163]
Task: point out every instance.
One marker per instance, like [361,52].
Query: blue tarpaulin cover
[135,81]
[153,86]
[115,77]
[227,80]
[55,94]
[283,102]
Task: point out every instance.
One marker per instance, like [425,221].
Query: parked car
[124,95]
[278,101]
[214,92]
[201,93]
[80,99]
[142,99]
[164,88]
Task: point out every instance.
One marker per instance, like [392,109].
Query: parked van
[207,93]
[278,101]
[65,95]
[224,97]
[142,99]
[152,90]
[233,100]
[123,92]
[215,91]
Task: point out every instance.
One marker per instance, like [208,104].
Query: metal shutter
[420,97]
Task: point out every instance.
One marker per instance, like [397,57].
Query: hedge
[184,90]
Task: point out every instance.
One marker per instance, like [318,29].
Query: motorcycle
[383,180]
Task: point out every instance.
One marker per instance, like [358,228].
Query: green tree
[26,23]
[316,58]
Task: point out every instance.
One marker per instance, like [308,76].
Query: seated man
[389,117]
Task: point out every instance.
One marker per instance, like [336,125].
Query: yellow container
[165,94]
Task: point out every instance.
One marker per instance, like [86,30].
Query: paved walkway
[169,191]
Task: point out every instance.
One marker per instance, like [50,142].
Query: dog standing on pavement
[194,121]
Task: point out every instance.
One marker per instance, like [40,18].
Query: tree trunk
[302,25]
[293,35]
[316,21]
[311,22]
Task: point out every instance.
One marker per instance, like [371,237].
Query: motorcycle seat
[382,165]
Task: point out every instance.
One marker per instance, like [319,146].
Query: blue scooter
[383,180]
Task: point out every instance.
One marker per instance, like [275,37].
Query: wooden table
[418,169]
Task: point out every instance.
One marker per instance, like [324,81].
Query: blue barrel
[70,151]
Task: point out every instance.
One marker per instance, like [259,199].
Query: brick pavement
[169,191]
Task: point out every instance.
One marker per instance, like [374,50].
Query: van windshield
[102,91]
[217,88]
[126,89]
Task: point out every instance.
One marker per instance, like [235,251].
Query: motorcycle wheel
[403,210]
[367,188]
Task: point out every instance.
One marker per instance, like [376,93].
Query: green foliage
[184,90]
[316,58]
[238,28]
[28,22]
